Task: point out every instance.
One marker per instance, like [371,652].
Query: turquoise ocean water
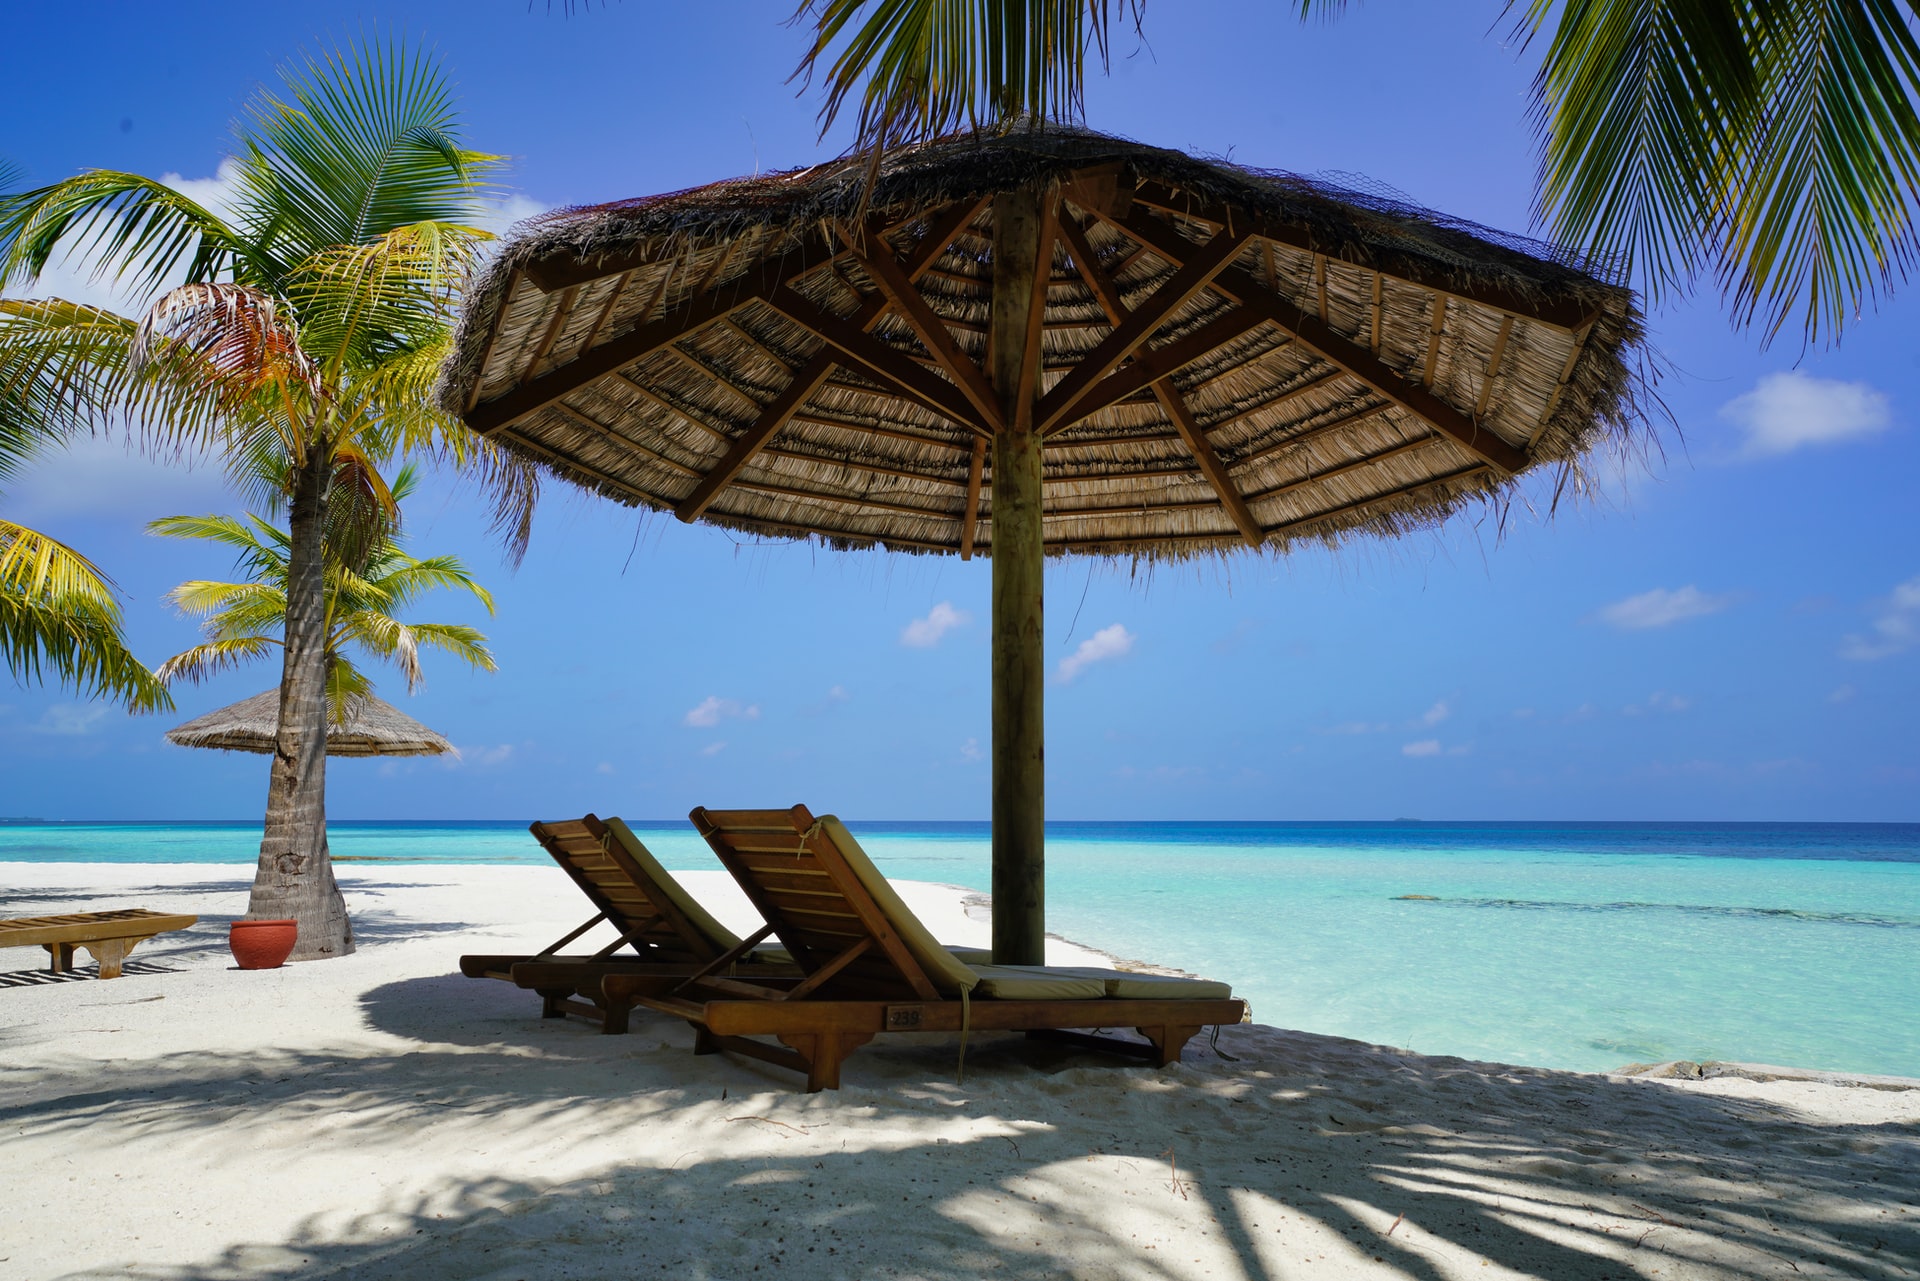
[1580,946]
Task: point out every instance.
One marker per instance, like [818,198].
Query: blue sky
[1732,634]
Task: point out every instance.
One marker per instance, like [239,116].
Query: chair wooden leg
[111,953]
[615,1018]
[703,1040]
[1167,1042]
[553,1001]
[823,1053]
[60,957]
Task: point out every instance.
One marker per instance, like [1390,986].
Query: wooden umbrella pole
[1020,269]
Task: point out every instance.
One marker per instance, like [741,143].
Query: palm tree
[58,612]
[246,620]
[312,319]
[1771,146]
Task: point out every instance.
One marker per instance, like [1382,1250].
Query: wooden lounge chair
[870,966]
[665,928]
[108,935]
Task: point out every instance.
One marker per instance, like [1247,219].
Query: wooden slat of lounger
[784,845]
[617,886]
[75,927]
[759,820]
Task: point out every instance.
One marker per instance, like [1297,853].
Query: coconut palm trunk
[295,876]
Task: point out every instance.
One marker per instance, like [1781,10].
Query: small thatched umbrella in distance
[1036,344]
[372,728]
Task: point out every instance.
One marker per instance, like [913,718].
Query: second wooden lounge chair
[870,966]
[665,928]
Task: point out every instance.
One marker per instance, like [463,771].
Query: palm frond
[36,566]
[58,614]
[242,607]
[135,229]
[465,643]
[1773,144]
[205,661]
[920,68]
[365,140]
[60,373]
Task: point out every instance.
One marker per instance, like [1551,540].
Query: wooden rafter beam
[856,349]
[809,378]
[970,518]
[1151,365]
[1194,273]
[1210,465]
[1163,389]
[1399,491]
[873,254]
[617,353]
[1311,332]
[1567,314]
[1341,469]
[1285,443]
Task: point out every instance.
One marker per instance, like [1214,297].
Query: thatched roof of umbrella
[737,353]
[372,728]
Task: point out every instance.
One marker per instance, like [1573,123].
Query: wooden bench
[108,935]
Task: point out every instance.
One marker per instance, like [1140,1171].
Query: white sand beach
[382,1116]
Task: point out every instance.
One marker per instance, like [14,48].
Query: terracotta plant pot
[262,945]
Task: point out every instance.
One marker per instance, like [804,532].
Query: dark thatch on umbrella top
[372,728]
[697,356]
[1038,343]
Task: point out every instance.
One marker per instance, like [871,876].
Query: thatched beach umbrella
[372,728]
[1038,344]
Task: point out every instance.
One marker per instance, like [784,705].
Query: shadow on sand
[1305,1149]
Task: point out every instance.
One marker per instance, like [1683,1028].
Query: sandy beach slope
[382,1117]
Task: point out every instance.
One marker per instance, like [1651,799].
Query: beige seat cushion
[1125,985]
[1035,983]
[721,937]
[949,975]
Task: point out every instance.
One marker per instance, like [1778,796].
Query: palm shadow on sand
[1416,1162]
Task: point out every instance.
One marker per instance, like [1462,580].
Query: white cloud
[1790,410]
[499,216]
[970,751]
[604,767]
[110,476]
[71,720]
[714,709]
[714,748]
[925,633]
[1108,642]
[838,694]
[1663,608]
[479,757]
[1435,714]
[1658,701]
[1425,747]
[1897,628]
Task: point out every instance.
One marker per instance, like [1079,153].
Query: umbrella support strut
[1022,245]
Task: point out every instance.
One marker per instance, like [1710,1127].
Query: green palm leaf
[137,229]
[919,68]
[58,614]
[364,143]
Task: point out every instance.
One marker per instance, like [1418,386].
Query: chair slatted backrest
[646,917]
[795,876]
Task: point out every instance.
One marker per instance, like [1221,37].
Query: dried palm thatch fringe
[1535,352]
[372,728]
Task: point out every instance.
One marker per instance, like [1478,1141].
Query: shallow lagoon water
[1581,946]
